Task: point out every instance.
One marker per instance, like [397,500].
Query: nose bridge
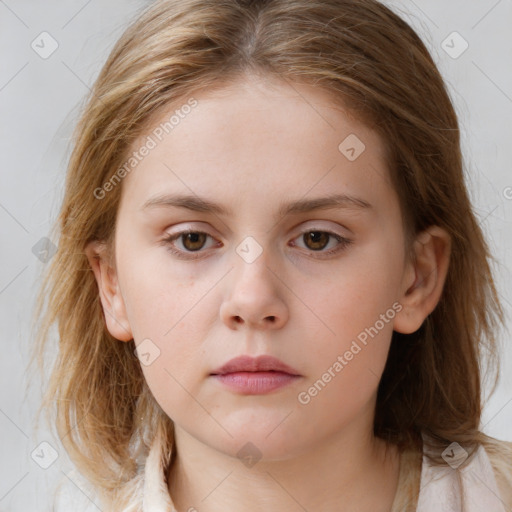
[252,262]
[254,296]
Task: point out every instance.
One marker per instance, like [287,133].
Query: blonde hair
[370,61]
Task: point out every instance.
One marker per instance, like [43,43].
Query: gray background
[38,108]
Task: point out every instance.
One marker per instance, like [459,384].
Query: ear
[424,279]
[111,299]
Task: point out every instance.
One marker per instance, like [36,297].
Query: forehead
[257,139]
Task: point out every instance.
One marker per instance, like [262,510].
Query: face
[318,288]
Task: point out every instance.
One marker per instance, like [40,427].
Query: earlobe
[110,294]
[428,274]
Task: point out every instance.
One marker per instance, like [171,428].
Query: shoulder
[500,456]
[480,482]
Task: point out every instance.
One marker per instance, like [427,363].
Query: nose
[254,298]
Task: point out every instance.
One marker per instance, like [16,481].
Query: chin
[268,440]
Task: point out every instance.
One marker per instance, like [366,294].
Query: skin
[250,146]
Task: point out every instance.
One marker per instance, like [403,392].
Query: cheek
[346,364]
[159,300]
[175,375]
[173,392]
[356,309]
[362,290]
[166,324]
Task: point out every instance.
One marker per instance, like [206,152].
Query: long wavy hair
[369,60]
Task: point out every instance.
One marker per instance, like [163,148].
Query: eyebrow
[200,204]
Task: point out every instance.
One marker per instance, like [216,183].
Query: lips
[255,364]
[261,375]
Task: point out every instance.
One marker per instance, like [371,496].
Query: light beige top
[422,487]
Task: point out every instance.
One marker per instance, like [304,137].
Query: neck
[346,472]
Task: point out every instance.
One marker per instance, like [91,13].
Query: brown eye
[316,240]
[190,241]
[193,241]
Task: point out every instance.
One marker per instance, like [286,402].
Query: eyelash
[191,255]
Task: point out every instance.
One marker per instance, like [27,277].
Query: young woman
[271,290]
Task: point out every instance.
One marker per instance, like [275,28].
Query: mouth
[255,376]
[262,363]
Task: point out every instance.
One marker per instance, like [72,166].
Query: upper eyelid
[207,231]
